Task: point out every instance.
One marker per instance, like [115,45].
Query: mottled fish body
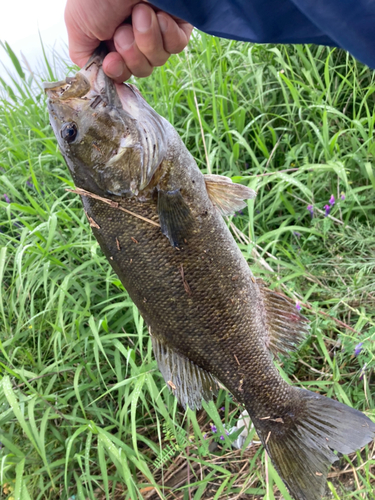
[159,222]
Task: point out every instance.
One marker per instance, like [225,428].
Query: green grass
[83,408]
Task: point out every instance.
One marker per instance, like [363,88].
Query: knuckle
[142,72]
[176,48]
[161,62]
[157,59]
[123,78]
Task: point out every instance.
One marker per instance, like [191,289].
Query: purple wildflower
[222,438]
[358,349]
[332,200]
[310,209]
[298,306]
[342,196]
[204,436]
[297,234]
[6,198]
[327,208]
[213,428]
[222,408]
[227,433]
[29,183]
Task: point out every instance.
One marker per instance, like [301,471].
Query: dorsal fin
[225,195]
[286,327]
[189,383]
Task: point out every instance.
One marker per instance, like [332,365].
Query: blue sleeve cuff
[349,24]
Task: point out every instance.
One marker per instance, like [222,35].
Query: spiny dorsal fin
[225,195]
[287,328]
[189,383]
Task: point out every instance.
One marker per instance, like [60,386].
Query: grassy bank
[84,411]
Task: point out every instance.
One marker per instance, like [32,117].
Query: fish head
[111,139]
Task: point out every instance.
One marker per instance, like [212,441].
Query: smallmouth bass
[159,222]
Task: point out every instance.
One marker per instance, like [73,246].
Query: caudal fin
[301,443]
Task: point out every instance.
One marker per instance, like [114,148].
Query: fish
[159,221]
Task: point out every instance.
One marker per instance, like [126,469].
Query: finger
[82,55]
[115,67]
[81,46]
[175,36]
[187,28]
[110,45]
[147,35]
[90,21]
[134,59]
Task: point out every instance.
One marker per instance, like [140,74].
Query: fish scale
[155,276]
[159,222]
[204,327]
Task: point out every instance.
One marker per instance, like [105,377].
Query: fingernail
[116,69]
[124,38]
[163,23]
[142,19]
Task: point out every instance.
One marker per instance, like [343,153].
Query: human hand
[135,49]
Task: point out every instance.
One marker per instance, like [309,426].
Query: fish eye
[69,132]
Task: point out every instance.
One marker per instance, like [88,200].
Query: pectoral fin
[175,216]
[189,383]
[225,195]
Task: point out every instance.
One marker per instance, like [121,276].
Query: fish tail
[302,441]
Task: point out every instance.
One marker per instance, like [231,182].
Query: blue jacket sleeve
[349,24]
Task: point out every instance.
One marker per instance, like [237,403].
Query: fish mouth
[90,83]
[116,115]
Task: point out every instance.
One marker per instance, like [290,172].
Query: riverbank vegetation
[84,411]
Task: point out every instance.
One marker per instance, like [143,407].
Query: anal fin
[175,216]
[226,195]
[286,327]
[188,382]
